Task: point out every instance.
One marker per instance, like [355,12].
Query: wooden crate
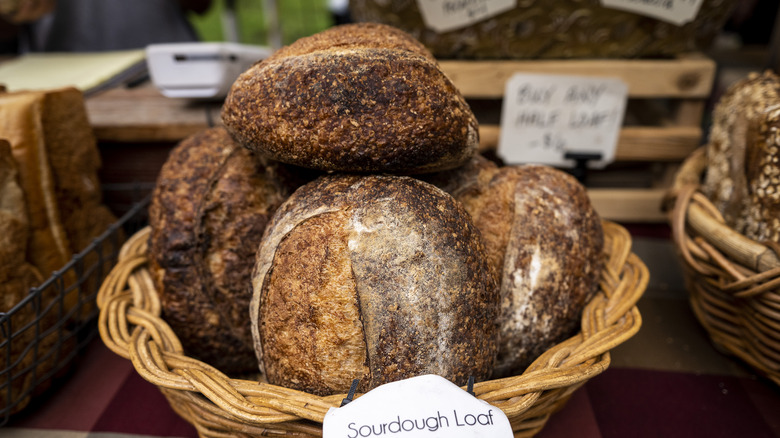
[137,126]
[667,99]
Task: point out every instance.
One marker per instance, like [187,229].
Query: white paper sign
[544,117]
[447,15]
[427,406]
[677,12]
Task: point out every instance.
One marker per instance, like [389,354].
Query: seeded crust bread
[544,242]
[211,203]
[354,98]
[550,29]
[743,175]
[377,278]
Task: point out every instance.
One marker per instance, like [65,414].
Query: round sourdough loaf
[212,201]
[353,98]
[376,278]
[544,241]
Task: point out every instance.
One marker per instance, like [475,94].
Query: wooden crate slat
[629,205]
[688,76]
[635,143]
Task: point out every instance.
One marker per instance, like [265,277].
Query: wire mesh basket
[41,336]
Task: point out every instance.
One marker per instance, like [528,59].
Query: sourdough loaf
[355,98]
[376,278]
[544,242]
[743,175]
[211,203]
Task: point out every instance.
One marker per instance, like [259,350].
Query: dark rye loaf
[354,98]
[212,201]
[376,278]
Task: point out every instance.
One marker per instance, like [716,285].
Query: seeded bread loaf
[354,98]
[376,278]
[743,175]
[538,29]
[212,201]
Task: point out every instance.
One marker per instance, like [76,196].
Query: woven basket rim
[217,405]
[733,280]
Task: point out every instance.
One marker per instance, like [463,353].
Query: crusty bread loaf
[355,98]
[743,175]
[376,278]
[471,178]
[21,124]
[16,278]
[53,143]
[75,161]
[544,241]
[552,29]
[211,203]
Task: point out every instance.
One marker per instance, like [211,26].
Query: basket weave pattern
[733,281]
[130,324]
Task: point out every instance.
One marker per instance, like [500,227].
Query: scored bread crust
[375,278]
[335,102]
[212,201]
[544,240]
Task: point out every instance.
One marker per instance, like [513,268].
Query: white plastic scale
[200,70]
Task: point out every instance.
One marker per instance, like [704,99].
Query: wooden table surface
[143,114]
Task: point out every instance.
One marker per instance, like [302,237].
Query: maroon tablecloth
[105,394]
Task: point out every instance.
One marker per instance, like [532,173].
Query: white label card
[447,15]
[427,406]
[677,12]
[546,117]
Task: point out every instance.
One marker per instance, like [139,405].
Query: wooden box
[663,123]
[667,98]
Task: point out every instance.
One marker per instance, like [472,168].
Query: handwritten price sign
[447,15]
[546,116]
[677,12]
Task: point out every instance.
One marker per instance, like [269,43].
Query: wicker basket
[733,281]
[219,406]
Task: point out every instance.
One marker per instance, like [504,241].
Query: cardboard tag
[544,117]
[677,12]
[426,406]
[447,15]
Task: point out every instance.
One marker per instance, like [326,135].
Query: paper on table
[88,72]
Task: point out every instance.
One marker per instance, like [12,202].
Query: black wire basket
[40,336]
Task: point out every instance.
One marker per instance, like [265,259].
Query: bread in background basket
[54,162]
[540,29]
[724,209]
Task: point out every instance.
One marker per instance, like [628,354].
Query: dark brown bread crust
[471,178]
[352,107]
[545,241]
[212,201]
[355,36]
[377,278]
